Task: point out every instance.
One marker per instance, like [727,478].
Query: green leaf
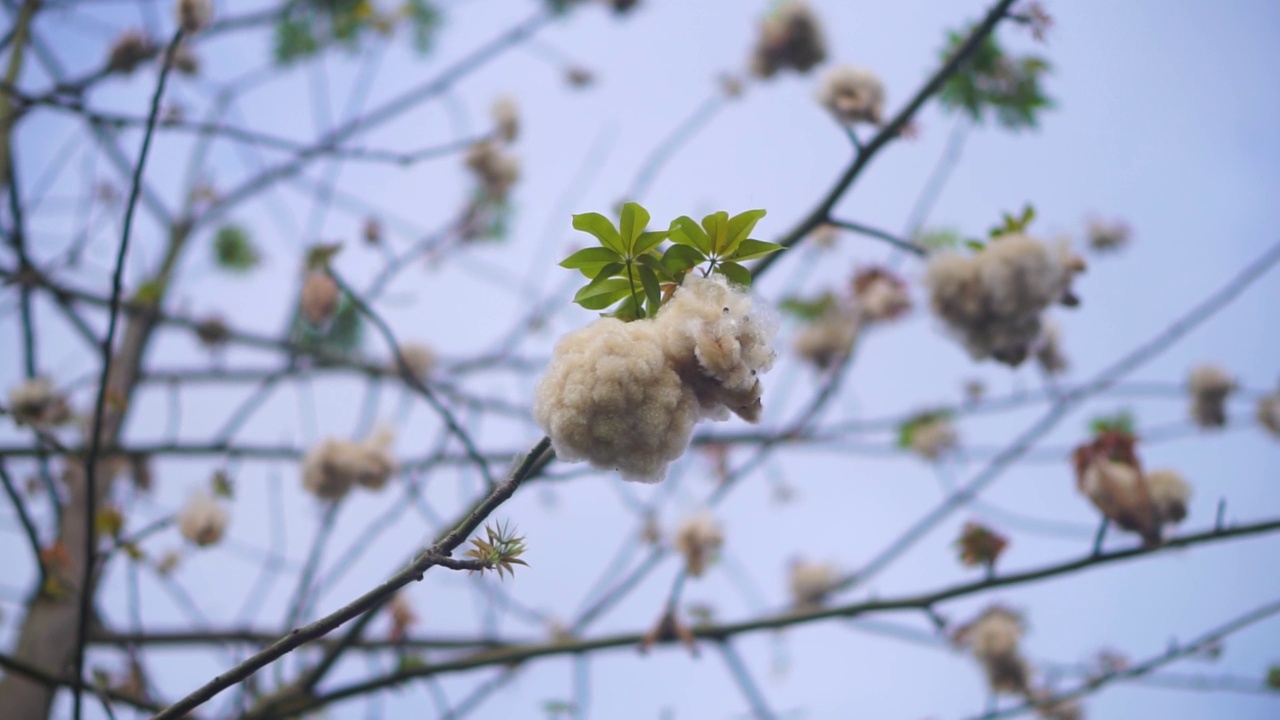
[603,230]
[149,292]
[679,258]
[740,227]
[1273,677]
[410,662]
[941,239]
[652,290]
[233,250]
[629,309]
[634,219]
[808,310]
[735,272]
[975,245]
[294,40]
[750,249]
[603,292]
[648,241]
[1120,421]
[426,21]
[717,227]
[589,261]
[608,271]
[684,231]
[655,264]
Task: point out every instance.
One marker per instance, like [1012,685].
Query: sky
[1162,118]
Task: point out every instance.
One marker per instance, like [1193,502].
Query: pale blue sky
[1166,117]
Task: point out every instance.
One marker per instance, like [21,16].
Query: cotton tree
[621,359]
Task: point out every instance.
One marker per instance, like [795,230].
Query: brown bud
[319,297]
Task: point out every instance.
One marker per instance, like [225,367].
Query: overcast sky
[1165,117]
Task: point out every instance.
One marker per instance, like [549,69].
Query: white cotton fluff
[193,15]
[827,340]
[993,639]
[626,396]
[37,402]
[1170,493]
[331,468]
[1209,386]
[496,170]
[993,300]
[880,295]
[1048,349]
[698,539]
[852,95]
[203,520]
[811,583]
[420,358]
[790,37]
[1118,490]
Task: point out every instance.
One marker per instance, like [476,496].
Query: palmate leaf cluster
[992,83]
[310,26]
[630,267]
[951,239]
[500,549]
[1121,421]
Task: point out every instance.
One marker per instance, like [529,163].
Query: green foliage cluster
[993,83]
[907,430]
[1121,421]
[1010,225]
[310,26]
[233,249]
[501,549]
[808,310]
[950,238]
[629,266]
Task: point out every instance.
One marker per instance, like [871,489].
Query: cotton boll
[194,15]
[319,299]
[1119,491]
[1107,236]
[1020,273]
[993,639]
[625,396]
[880,294]
[332,467]
[852,95]
[378,464]
[790,37]
[420,358]
[609,397]
[993,301]
[129,50]
[496,170]
[1209,386]
[1049,353]
[811,583]
[37,402]
[1170,494]
[203,521]
[719,343]
[698,539]
[827,340]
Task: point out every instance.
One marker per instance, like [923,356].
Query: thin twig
[95,441]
